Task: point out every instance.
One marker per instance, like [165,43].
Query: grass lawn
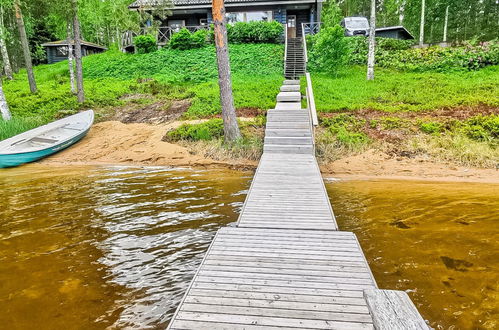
[394,91]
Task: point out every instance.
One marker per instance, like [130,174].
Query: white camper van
[355,26]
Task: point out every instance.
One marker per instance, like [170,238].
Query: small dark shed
[58,50]
[395,32]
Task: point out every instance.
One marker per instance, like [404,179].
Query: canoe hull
[12,160]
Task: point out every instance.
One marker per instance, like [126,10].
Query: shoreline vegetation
[435,117]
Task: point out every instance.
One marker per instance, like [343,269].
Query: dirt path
[113,142]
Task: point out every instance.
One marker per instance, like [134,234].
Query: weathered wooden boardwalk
[285,265]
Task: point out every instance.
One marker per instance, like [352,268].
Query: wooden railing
[304,41]
[311,100]
[311,28]
[163,34]
[285,46]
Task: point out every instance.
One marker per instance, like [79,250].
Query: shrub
[392,122]
[482,128]
[199,38]
[255,32]
[181,40]
[351,140]
[184,39]
[430,127]
[145,44]
[208,130]
[398,54]
[330,50]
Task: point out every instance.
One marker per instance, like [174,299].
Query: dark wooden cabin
[58,50]
[394,32]
[197,13]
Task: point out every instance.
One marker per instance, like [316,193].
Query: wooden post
[25,46]
[421,26]
[372,42]
[80,94]
[231,129]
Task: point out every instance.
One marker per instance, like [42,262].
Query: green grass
[18,125]
[393,91]
[173,74]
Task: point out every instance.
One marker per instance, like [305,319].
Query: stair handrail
[311,100]
[304,40]
[285,46]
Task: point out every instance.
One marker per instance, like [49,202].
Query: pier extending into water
[285,264]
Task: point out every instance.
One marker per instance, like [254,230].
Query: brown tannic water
[437,241]
[97,247]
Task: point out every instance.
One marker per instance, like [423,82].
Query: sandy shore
[113,142]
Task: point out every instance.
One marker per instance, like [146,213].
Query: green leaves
[330,50]
[145,44]
[184,39]
[255,32]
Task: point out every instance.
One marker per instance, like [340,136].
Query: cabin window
[61,51]
[249,16]
[176,24]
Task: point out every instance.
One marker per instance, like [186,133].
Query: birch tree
[3,47]
[372,42]
[80,94]
[69,40]
[231,128]
[422,23]
[4,107]
[446,23]
[25,46]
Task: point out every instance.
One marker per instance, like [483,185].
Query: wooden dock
[285,265]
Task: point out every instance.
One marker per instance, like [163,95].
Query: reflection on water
[96,247]
[438,241]
[90,248]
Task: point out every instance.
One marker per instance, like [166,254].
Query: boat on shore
[45,140]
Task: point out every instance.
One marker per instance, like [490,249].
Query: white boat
[45,140]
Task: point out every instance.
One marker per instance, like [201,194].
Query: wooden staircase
[295,59]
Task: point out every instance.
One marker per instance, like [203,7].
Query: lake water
[97,247]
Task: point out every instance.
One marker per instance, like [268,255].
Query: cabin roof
[186,4]
[396,28]
[65,43]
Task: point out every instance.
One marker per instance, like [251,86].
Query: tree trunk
[372,42]
[79,66]
[25,46]
[4,107]
[3,48]
[421,26]
[231,128]
[71,60]
[446,23]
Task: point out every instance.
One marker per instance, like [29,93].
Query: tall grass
[18,125]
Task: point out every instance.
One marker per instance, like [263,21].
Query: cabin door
[291,25]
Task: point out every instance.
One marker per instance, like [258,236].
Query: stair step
[290,88]
[291,140]
[288,149]
[287,125]
[288,132]
[288,106]
[291,82]
[289,97]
